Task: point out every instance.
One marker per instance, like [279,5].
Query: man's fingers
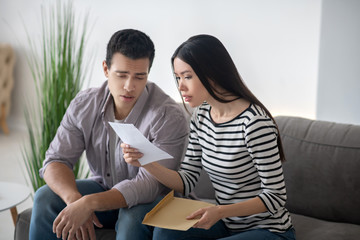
[84,232]
[68,232]
[55,224]
[79,235]
[96,221]
[71,235]
[58,230]
[92,235]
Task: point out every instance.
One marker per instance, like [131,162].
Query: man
[69,208]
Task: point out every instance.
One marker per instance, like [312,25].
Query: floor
[12,170]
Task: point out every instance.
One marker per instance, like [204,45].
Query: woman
[235,139]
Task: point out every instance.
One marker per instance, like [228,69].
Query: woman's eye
[188,77]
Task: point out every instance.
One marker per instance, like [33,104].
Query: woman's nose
[181,85]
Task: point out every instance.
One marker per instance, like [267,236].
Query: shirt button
[108,174]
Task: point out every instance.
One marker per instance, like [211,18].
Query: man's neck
[121,113]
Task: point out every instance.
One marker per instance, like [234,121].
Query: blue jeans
[220,231]
[129,225]
[47,205]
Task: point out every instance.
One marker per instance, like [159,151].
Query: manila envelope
[171,213]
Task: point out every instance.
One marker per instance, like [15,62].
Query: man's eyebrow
[141,73]
[126,72]
[118,71]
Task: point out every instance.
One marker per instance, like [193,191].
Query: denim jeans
[220,231]
[47,205]
[129,225]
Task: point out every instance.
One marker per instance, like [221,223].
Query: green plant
[58,75]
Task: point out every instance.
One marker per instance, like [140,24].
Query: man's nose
[129,85]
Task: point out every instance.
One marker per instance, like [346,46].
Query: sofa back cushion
[322,168]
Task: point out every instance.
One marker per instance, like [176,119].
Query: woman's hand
[131,155]
[208,217]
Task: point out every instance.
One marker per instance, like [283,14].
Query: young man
[69,208]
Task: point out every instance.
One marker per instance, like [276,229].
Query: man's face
[127,79]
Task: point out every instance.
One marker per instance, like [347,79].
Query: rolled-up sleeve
[68,143]
[143,188]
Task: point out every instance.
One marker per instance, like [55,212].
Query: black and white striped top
[242,159]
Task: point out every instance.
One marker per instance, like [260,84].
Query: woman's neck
[224,112]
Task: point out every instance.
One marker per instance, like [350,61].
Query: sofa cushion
[322,168]
[204,189]
[311,228]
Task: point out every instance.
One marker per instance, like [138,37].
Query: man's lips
[126,97]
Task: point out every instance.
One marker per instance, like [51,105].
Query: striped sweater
[242,159]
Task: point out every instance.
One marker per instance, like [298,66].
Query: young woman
[235,139]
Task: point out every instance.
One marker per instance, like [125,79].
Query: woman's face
[190,86]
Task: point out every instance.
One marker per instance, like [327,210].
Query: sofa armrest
[22,225]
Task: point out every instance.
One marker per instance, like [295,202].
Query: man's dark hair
[131,43]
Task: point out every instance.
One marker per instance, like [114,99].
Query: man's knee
[42,195]
[132,215]
[45,195]
[46,200]
[129,224]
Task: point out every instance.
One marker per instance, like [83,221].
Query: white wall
[274,43]
[338,97]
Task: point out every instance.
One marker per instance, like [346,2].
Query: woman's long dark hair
[211,62]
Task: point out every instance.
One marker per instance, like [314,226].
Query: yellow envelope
[171,213]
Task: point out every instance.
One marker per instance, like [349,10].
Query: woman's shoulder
[256,115]
[201,111]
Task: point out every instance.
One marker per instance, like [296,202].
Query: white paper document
[129,134]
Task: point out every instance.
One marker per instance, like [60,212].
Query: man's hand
[76,221]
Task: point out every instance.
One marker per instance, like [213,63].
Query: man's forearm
[104,201]
[60,178]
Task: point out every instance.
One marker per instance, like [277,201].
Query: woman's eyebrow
[183,72]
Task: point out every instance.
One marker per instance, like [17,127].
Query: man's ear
[106,69]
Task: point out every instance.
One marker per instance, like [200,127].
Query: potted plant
[58,74]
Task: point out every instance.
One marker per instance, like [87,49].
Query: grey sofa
[321,175]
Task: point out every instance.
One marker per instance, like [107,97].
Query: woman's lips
[187,98]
